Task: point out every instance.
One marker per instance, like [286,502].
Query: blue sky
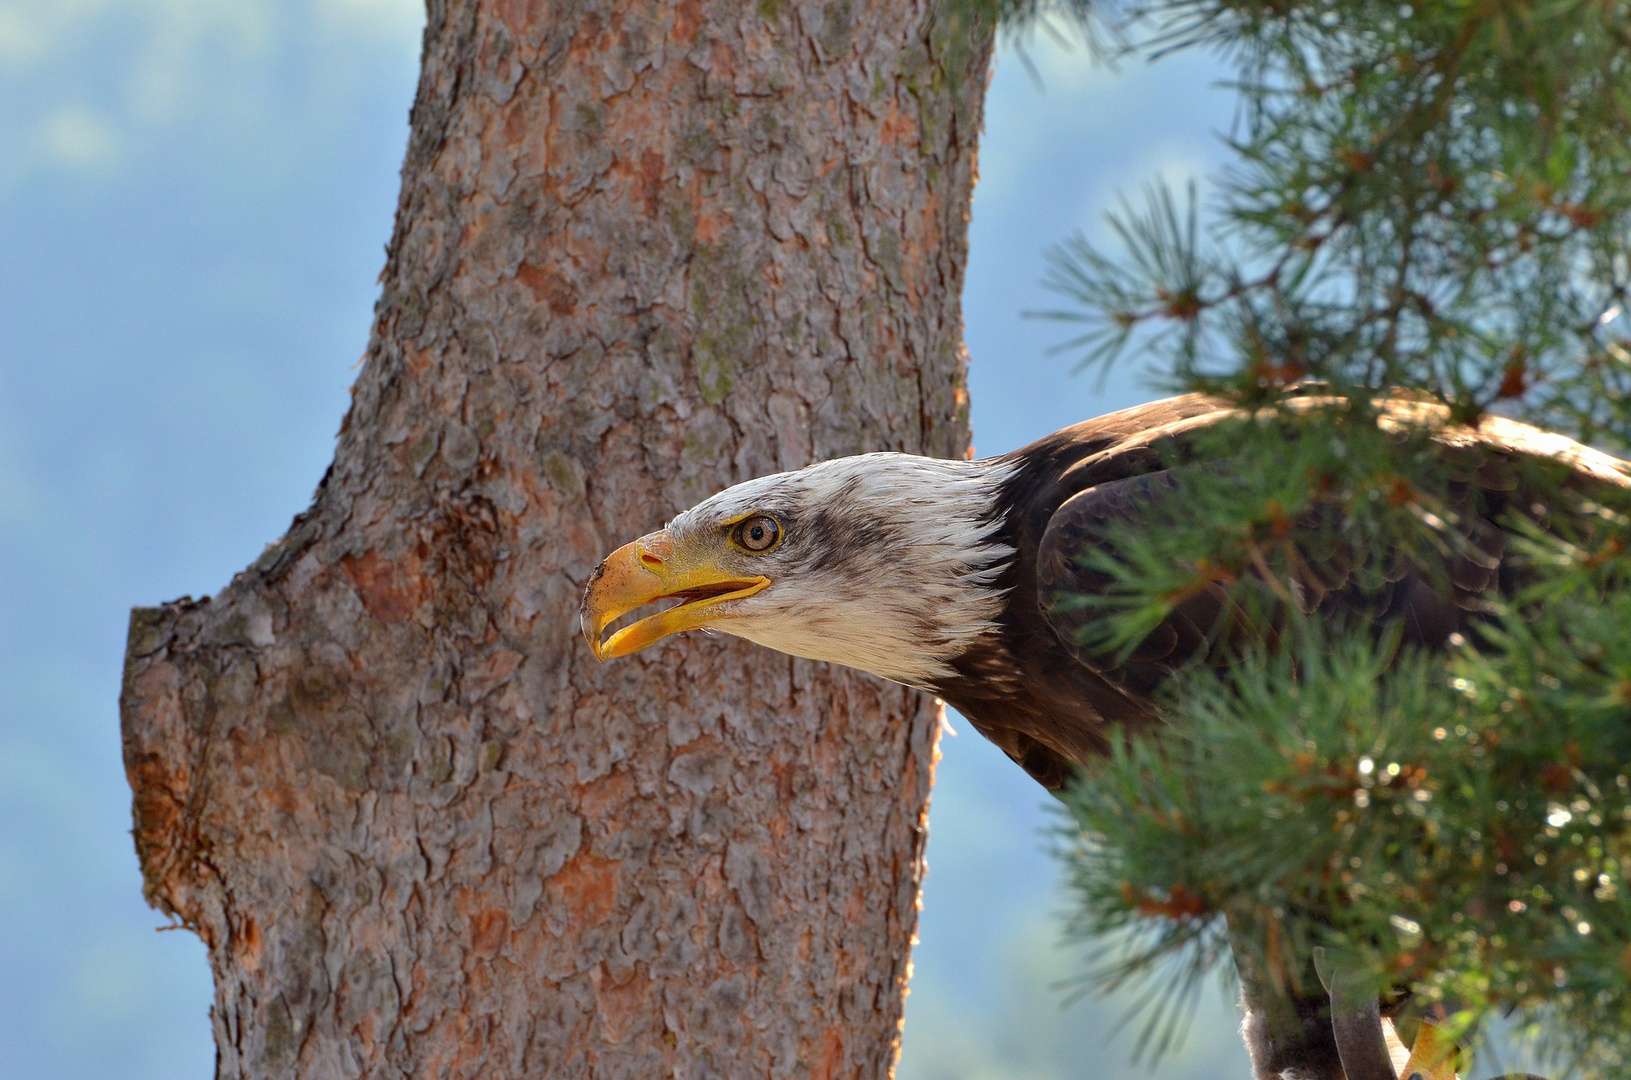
[194,199]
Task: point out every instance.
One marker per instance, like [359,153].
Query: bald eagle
[955,576]
[962,578]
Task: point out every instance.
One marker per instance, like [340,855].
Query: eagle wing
[1426,602]
[1085,522]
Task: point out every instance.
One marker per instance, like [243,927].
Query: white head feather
[887,562]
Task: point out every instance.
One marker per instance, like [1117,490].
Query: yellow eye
[758,533]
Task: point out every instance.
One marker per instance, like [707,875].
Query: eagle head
[883,562]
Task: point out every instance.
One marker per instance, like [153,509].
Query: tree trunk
[642,251]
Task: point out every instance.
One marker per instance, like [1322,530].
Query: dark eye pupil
[758,534]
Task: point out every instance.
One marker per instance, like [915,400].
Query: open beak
[644,572]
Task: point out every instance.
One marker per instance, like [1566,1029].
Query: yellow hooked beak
[648,570]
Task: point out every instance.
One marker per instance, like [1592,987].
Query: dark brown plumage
[1049,703]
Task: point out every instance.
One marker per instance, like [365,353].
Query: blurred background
[194,199]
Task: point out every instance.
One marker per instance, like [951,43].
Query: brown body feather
[1050,703]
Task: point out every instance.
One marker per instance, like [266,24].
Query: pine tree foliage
[1428,218]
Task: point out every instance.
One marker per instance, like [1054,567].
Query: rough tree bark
[643,250]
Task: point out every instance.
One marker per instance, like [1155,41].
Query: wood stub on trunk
[642,251]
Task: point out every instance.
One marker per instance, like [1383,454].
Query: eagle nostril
[648,559]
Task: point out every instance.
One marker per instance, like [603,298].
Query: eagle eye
[758,533]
